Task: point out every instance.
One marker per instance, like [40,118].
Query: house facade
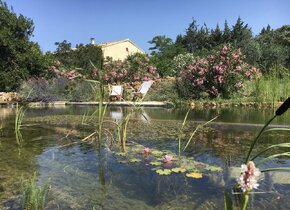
[118,50]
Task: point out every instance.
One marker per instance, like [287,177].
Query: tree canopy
[20,58]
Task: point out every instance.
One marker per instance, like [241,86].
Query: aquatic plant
[247,181]
[20,112]
[99,88]
[33,197]
[181,132]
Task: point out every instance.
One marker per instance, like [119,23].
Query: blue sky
[78,20]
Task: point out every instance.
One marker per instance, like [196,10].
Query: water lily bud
[284,107]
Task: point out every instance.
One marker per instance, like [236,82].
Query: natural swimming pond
[83,176]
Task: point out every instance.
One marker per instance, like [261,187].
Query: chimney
[93,41]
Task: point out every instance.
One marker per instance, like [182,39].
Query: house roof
[107,44]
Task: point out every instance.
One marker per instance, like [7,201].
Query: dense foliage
[271,48]
[20,58]
[218,75]
[80,57]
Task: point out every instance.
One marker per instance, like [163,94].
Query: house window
[127,49]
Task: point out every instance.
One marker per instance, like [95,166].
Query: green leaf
[163,171]
[156,152]
[228,204]
[283,145]
[178,170]
[134,160]
[276,169]
[213,168]
[155,163]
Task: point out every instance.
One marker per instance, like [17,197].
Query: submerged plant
[33,197]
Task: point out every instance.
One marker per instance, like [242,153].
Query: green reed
[181,132]
[270,88]
[280,111]
[20,112]
[98,87]
[122,128]
[33,197]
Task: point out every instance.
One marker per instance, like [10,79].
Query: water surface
[84,176]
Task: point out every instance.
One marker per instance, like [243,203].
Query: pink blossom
[167,159]
[249,173]
[147,151]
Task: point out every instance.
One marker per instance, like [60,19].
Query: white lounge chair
[143,90]
[116,92]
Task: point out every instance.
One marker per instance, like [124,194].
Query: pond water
[82,176]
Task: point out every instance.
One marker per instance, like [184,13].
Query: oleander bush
[218,75]
[136,67]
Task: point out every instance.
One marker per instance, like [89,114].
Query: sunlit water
[83,177]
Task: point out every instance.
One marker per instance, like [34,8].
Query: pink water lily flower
[167,159]
[147,151]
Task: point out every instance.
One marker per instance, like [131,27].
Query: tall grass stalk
[20,112]
[122,131]
[99,88]
[33,197]
[181,132]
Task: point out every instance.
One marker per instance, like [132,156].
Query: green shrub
[163,91]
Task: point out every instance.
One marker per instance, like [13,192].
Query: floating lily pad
[163,171]
[213,168]
[156,152]
[194,175]
[178,170]
[134,160]
[155,163]
[190,167]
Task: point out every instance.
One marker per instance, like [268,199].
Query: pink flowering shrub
[218,75]
[56,72]
[135,67]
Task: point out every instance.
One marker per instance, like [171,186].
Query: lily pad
[163,171]
[194,175]
[190,167]
[213,168]
[134,160]
[155,163]
[178,170]
[156,152]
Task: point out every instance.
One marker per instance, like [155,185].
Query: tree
[161,43]
[226,37]
[20,58]
[163,53]
[79,57]
[64,54]
[216,36]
